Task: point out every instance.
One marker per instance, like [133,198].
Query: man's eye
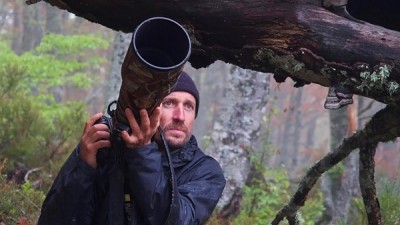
[167,103]
[189,106]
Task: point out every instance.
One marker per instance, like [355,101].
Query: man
[148,191]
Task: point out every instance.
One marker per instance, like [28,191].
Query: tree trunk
[287,137]
[298,125]
[120,47]
[331,182]
[245,98]
[291,140]
[348,179]
[32,31]
[210,82]
[311,125]
[4,13]
[54,25]
[53,20]
[17,27]
[338,187]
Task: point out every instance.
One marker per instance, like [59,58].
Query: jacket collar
[182,155]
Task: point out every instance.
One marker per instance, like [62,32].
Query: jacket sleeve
[70,199]
[199,196]
[194,199]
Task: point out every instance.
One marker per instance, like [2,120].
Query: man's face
[177,118]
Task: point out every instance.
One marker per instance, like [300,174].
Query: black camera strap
[174,201]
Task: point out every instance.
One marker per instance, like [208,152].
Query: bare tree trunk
[290,143]
[4,14]
[237,127]
[17,27]
[32,31]
[338,192]
[348,177]
[330,186]
[54,25]
[53,19]
[121,44]
[210,82]
[338,126]
[311,125]
[287,136]
[298,125]
[326,188]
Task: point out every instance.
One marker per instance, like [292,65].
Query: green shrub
[18,203]
[389,195]
[39,127]
[389,200]
[264,198]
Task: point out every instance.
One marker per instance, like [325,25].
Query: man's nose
[179,113]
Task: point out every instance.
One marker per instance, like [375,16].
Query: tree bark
[297,137]
[288,131]
[338,192]
[210,82]
[245,97]
[295,38]
[347,180]
[120,46]
[332,184]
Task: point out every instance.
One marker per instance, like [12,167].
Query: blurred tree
[27,21]
[245,97]
[114,79]
[53,19]
[338,184]
[291,143]
[211,82]
[39,128]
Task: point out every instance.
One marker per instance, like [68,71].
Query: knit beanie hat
[186,84]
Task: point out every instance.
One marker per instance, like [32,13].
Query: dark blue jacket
[81,195]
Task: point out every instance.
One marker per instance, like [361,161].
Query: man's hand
[141,134]
[94,137]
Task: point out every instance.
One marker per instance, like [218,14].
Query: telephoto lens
[158,51]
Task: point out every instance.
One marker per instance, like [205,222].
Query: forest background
[56,70]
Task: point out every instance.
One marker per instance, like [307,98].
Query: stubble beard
[176,142]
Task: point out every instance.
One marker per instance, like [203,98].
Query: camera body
[115,153]
[105,155]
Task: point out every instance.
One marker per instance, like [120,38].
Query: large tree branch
[384,126]
[293,38]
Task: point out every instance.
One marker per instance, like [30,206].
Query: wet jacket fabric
[81,195]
